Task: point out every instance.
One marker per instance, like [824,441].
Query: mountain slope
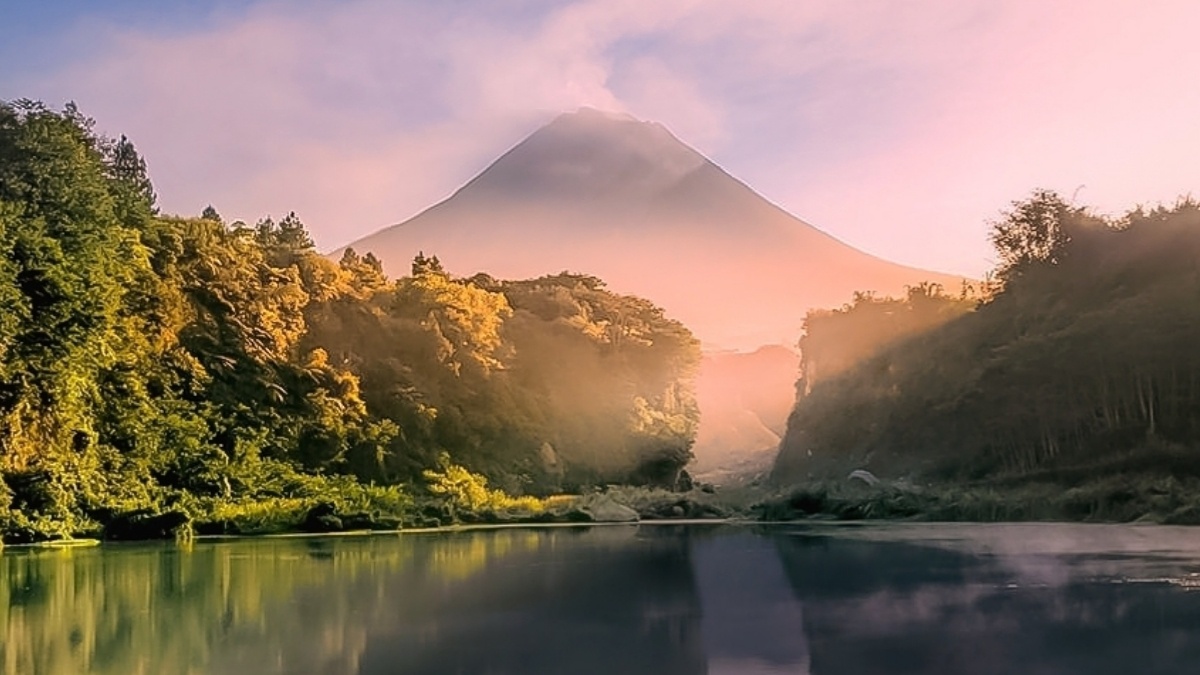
[628,202]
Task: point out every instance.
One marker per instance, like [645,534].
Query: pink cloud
[899,127]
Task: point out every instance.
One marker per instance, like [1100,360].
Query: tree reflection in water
[627,599]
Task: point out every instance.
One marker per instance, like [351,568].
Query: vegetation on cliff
[1077,368]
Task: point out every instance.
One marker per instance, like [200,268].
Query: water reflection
[751,623]
[954,599]
[650,599]
[261,606]
[606,600]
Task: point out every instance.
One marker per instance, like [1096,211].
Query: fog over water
[633,599]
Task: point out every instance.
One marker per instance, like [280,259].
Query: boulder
[863,475]
[369,521]
[577,516]
[602,509]
[682,508]
[144,524]
[322,518]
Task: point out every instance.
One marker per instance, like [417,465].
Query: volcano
[626,201]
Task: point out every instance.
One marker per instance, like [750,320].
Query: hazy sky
[899,127]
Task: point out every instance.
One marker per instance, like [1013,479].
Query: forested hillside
[150,362]
[1081,363]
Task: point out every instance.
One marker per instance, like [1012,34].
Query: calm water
[650,599]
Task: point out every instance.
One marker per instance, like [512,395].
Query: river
[663,599]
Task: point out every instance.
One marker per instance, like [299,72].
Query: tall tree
[133,193]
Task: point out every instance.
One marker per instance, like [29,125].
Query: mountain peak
[590,113]
[588,155]
[607,194]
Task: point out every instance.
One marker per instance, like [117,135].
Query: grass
[1118,499]
[656,503]
[453,495]
[260,516]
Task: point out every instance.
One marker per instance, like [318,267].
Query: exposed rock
[369,521]
[484,518]
[661,469]
[602,509]
[217,527]
[144,524]
[551,463]
[419,522]
[682,508]
[864,476]
[577,516]
[322,518]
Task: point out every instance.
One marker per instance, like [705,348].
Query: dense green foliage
[1081,366]
[153,363]
[543,384]
[836,340]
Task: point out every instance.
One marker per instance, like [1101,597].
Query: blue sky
[898,127]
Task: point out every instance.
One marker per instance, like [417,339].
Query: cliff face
[1081,370]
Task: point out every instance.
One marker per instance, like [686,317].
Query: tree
[151,362]
[1035,231]
[72,336]
[132,190]
[423,265]
[293,236]
[462,319]
[366,272]
[1085,362]
[1030,233]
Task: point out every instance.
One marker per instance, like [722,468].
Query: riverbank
[317,516]
[1162,500]
[1113,499]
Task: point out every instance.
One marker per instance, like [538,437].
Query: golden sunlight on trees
[1083,364]
[230,375]
[469,491]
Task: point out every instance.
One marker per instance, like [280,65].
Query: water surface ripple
[662,599]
